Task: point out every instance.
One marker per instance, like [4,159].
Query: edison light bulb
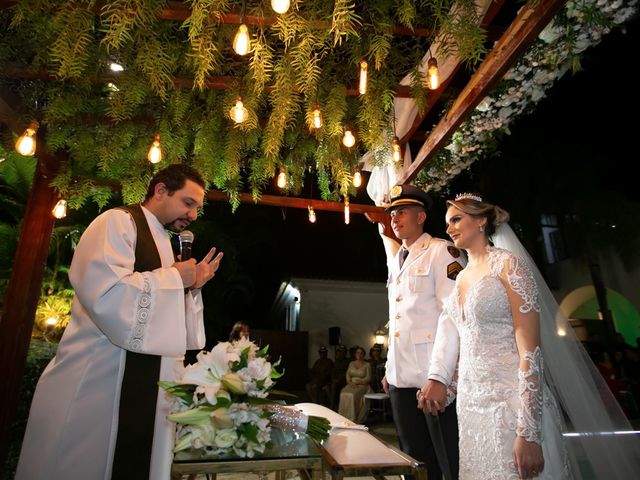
[433,73]
[238,112]
[347,216]
[317,117]
[396,150]
[282,178]
[280,6]
[116,67]
[242,42]
[51,321]
[155,152]
[60,210]
[348,140]
[362,87]
[26,144]
[357,178]
[312,214]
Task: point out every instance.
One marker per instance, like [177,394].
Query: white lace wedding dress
[492,402]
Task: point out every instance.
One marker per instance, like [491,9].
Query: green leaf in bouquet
[182,391]
[275,374]
[243,362]
[282,393]
[249,431]
[195,416]
[222,402]
[263,351]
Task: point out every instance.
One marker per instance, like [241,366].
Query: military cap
[376,346]
[322,349]
[342,348]
[402,195]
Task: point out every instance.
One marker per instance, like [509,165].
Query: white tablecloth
[352,447]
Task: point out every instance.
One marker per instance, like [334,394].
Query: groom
[422,271]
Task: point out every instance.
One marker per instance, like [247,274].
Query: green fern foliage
[181,79]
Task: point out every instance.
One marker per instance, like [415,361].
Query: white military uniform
[416,295]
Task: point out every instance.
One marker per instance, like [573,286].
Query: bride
[501,320]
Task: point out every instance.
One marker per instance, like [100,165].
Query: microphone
[186,240]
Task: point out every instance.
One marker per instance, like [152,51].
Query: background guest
[352,395]
[320,378]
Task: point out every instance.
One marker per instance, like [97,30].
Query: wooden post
[23,292]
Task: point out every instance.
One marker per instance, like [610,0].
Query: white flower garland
[579,26]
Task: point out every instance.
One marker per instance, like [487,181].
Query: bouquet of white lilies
[222,404]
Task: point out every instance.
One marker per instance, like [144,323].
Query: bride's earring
[482,228]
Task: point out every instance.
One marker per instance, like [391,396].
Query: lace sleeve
[529,424]
[521,281]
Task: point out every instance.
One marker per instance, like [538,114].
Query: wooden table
[357,453]
[289,451]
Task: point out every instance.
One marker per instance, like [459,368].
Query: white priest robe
[73,422]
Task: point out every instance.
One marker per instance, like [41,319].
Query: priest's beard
[177,225]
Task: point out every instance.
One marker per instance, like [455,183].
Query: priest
[97,412]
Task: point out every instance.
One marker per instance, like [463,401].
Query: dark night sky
[578,141]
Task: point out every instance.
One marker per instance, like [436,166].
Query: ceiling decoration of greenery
[103,123]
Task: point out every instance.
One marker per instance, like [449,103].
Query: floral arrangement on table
[580,25]
[221,402]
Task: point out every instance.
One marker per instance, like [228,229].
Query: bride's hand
[528,458]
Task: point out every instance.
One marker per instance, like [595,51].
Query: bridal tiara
[468,196]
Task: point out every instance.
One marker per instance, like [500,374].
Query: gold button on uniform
[397,316]
[428,336]
[396,334]
[398,282]
[398,299]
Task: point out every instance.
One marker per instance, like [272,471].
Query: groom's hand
[432,397]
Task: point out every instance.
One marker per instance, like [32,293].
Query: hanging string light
[155,152]
[317,117]
[60,210]
[362,85]
[242,42]
[433,73]
[238,112]
[282,178]
[280,6]
[396,150]
[116,67]
[357,178]
[347,216]
[312,214]
[26,143]
[348,140]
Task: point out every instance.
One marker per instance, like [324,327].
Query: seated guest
[377,367]
[338,375]
[320,378]
[352,395]
[240,330]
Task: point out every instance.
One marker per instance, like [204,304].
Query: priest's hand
[207,268]
[187,271]
[432,398]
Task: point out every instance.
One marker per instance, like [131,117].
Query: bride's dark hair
[475,205]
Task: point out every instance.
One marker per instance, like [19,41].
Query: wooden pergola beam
[296,202]
[23,291]
[434,95]
[530,21]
